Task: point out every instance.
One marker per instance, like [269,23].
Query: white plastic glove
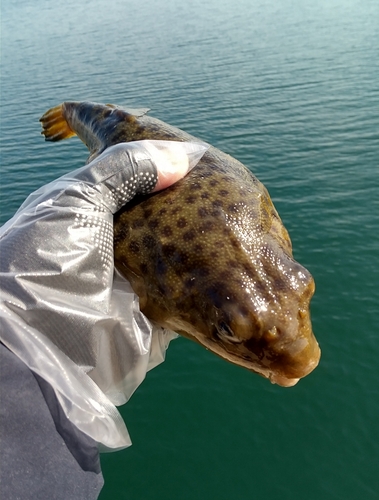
[64,311]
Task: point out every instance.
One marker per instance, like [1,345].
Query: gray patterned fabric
[63,311]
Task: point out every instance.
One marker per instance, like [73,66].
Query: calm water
[290,88]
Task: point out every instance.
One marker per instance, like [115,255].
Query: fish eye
[226,333]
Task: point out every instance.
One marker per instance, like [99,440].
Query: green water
[290,88]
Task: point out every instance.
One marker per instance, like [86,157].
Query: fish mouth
[299,357]
[306,368]
[285,372]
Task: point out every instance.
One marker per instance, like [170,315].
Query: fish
[208,257]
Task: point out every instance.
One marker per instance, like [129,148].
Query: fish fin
[137,112]
[55,126]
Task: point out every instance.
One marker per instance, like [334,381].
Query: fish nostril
[302,314]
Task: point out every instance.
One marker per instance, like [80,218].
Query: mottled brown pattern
[209,257]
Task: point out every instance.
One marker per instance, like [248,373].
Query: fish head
[210,259]
[260,320]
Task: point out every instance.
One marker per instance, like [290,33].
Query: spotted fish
[208,257]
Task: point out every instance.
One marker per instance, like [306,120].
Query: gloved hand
[64,311]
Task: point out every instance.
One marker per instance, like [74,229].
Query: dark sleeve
[43,455]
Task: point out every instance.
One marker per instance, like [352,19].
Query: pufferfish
[208,257]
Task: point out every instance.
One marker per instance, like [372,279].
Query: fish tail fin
[55,126]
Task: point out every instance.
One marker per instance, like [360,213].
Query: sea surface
[290,88]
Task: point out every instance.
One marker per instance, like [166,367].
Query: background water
[290,88]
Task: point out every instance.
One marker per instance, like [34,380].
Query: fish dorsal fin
[138,112]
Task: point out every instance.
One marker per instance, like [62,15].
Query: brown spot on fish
[191,199]
[176,210]
[189,235]
[182,222]
[223,192]
[235,242]
[217,203]
[148,241]
[134,247]
[226,279]
[202,212]
[167,231]
[207,174]
[182,259]
[233,208]
[153,224]
[207,226]
[169,250]
[219,244]
[137,223]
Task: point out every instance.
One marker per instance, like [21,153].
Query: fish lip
[283,381]
[277,377]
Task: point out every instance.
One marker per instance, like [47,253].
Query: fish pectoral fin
[54,125]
